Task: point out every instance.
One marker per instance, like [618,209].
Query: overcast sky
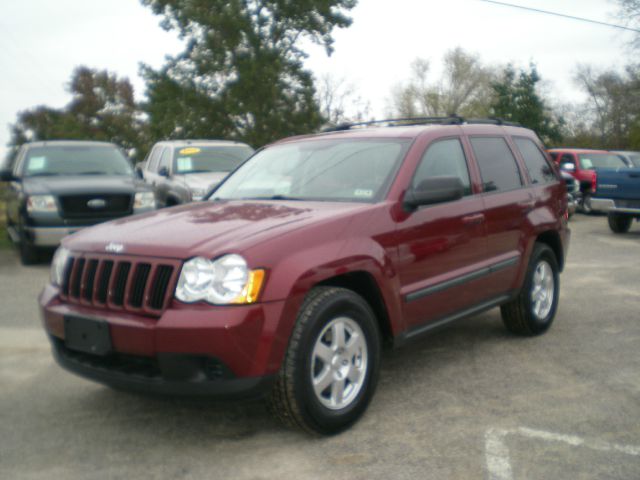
[41,41]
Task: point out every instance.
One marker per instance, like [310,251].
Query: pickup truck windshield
[591,161]
[209,159]
[75,160]
[330,170]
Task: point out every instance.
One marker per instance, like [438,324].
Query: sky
[41,41]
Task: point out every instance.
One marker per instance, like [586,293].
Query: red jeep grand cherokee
[310,255]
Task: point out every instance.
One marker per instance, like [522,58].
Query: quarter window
[539,169]
[498,167]
[444,158]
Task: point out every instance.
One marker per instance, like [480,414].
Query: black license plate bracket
[87,335]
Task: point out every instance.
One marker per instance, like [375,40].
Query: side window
[165,159]
[567,158]
[444,158]
[498,167]
[152,163]
[539,169]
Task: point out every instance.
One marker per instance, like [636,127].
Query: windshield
[210,159]
[75,160]
[340,170]
[591,161]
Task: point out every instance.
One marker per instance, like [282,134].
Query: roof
[69,143]
[576,150]
[201,143]
[414,131]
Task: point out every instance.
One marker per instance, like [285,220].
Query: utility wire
[547,12]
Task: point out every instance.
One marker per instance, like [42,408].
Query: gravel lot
[465,403]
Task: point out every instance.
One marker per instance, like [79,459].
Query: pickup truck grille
[131,284]
[95,205]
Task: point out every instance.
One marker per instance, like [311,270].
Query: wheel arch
[551,238]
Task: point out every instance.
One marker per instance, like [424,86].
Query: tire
[619,223]
[29,255]
[523,315]
[294,400]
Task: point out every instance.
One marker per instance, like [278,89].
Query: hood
[207,229]
[82,184]
[205,180]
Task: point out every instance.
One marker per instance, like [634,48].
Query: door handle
[473,219]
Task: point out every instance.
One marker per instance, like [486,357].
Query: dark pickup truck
[59,187]
[618,194]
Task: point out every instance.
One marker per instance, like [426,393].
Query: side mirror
[568,167]
[163,172]
[7,176]
[434,190]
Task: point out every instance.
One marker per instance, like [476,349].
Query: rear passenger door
[507,203]
[441,247]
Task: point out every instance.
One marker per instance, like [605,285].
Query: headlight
[58,265]
[144,200]
[41,203]
[223,281]
[198,193]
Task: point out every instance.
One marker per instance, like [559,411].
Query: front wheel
[331,366]
[533,310]
[619,223]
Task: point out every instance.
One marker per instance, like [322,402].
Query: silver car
[182,171]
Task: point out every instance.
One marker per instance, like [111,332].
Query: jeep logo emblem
[97,203]
[114,248]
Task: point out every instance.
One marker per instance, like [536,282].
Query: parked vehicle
[582,164]
[574,196]
[59,187]
[618,194]
[308,257]
[632,159]
[182,171]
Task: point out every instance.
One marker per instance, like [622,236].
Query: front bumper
[49,236]
[223,352]
[609,205]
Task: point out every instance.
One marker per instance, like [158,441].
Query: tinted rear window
[539,170]
[498,167]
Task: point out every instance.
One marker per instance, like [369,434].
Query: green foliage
[517,100]
[102,108]
[241,75]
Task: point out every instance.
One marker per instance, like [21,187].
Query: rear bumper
[609,205]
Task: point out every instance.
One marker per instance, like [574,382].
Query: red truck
[308,258]
[583,165]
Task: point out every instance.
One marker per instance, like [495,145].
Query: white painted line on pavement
[497,451]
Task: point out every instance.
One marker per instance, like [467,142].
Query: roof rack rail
[452,119]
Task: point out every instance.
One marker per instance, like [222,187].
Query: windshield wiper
[91,173]
[44,174]
[273,197]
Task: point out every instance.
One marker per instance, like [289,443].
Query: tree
[339,102]
[612,111]
[463,89]
[241,75]
[102,108]
[517,99]
[629,13]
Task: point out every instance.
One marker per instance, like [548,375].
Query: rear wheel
[619,223]
[331,366]
[533,310]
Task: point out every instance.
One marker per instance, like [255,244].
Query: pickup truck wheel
[29,254]
[534,309]
[331,366]
[619,223]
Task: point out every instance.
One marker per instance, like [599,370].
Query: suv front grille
[132,284]
[96,205]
